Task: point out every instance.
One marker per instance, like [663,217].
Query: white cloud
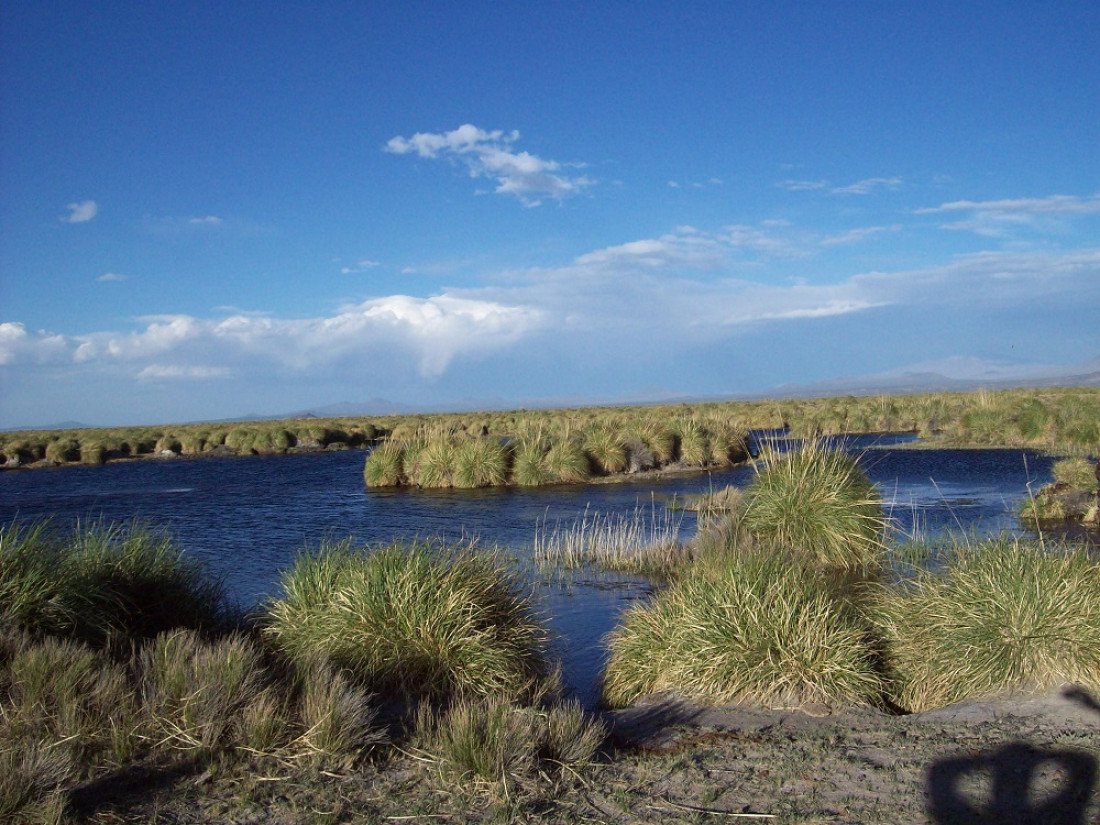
[18,345]
[1001,218]
[802,185]
[856,235]
[867,185]
[490,155]
[209,220]
[360,266]
[110,276]
[81,212]
[163,372]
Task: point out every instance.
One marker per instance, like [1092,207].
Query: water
[249,517]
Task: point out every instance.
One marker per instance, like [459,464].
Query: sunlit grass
[1002,616]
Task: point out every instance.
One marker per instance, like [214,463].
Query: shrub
[759,630]
[104,584]
[409,619]
[1004,616]
[818,504]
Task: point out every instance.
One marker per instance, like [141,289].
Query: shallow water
[249,517]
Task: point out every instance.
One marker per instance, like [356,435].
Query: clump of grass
[337,716]
[1003,616]
[1079,473]
[818,504]
[103,584]
[409,620]
[644,541]
[385,465]
[196,692]
[33,782]
[528,461]
[761,630]
[480,462]
[606,448]
[497,744]
[566,462]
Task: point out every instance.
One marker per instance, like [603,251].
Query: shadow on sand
[1017,783]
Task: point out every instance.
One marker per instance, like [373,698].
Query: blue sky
[211,210]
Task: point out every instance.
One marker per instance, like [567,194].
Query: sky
[213,210]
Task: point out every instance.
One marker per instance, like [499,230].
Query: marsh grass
[497,744]
[409,620]
[761,630]
[385,465]
[1003,616]
[480,462]
[196,692]
[645,541]
[104,584]
[33,782]
[338,718]
[817,503]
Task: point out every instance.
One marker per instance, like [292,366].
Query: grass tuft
[1002,616]
[758,630]
[409,620]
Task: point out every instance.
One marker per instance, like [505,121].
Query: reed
[645,541]
[1002,616]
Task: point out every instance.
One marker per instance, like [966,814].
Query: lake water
[249,517]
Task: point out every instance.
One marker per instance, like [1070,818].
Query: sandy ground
[1017,761]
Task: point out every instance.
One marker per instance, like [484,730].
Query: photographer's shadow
[1017,784]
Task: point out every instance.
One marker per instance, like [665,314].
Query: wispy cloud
[176,372]
[857,235]
[108,277]
[209,220]
[802,185]
[490,155]
[364,265]
[81,212]
[1000,218]
[867,185]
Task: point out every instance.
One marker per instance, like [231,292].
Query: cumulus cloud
[20,345]
[490,155]
[80,212]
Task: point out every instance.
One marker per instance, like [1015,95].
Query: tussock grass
[196,692]
[528,461]
[409,620]
[495,744]
[1003,616]
[644,541]
[818,504]
[566,462]
[480,462]
[103,584]
[33,782]
[1077,472]
[758,630]
[385,465]
[337,716]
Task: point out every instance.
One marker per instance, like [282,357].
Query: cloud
[867,185]
[490,155]
[209,220]
[1001,218]
[110,276]
[856,235]
[81,212]
[19,345]
[163,372]
[360,266]
[802,185]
